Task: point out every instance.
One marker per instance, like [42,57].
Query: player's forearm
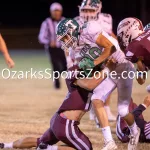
[103,56]
[138,111]
[3,47]
[103,40]
[91,83]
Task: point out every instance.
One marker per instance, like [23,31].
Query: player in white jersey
[92,42]
[91,10]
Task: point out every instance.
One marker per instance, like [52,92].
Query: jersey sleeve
[106,22]
[133,52]
[138,111]
[91,31]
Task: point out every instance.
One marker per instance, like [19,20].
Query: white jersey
[105,21]
[88,47]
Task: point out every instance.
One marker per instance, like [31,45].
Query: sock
[52,147]
[8,145]
[133,129]
[107,134]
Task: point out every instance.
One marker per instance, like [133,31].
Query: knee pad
[123,110]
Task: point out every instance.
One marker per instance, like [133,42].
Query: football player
[4,50]
[136,44]
[147,27]
[122,130]
[91,10]
[90,46]
[64,124]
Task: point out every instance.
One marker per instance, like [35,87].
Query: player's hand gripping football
[147,101]
[9,61]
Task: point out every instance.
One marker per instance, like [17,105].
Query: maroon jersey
[77,98]
[140,48]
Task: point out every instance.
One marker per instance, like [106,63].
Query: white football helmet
[128,29]
[90,9]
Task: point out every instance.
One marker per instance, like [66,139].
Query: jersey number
[92,53]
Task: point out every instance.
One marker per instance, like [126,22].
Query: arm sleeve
[138,111]
[43,35]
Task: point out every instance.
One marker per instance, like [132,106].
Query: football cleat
[1,145]
[43,146]
[111,145]
[134,141]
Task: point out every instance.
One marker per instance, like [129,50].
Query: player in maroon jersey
[64,124]
[136,44]
[122,130]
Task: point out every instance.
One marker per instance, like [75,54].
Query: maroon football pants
[68,132]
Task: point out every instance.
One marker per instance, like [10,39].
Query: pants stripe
[118,129]
[147,133]
[77,138]
[147,127]
[68,136]
[88,102]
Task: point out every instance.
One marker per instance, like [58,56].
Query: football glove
[86,64]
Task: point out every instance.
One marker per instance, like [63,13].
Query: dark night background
[25,14]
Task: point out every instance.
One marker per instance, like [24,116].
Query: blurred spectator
[47,36]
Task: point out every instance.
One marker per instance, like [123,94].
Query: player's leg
[23,143]
[111,116]
[99,96]
[124,86]
[70,134]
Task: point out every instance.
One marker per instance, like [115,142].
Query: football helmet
[147,27]
[128,29]
[67,32]
[90,9]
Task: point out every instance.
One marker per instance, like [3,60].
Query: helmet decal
[67,33]
[129,29]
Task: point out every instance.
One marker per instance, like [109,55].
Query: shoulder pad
[93,27]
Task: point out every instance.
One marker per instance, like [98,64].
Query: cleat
[1,145]
[111,145]
[134,140]
[43,146]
